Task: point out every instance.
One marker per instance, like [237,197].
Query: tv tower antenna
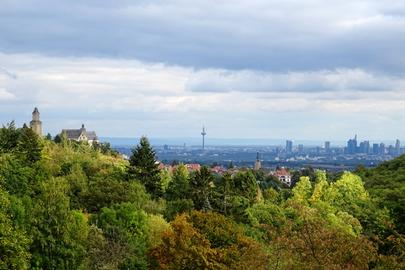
[203,133]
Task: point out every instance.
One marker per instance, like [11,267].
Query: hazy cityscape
[327,156]
[205,134]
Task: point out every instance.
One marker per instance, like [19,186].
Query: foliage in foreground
[69,205]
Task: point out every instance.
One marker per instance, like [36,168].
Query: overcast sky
[302,69]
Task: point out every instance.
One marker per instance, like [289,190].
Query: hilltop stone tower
[36,124]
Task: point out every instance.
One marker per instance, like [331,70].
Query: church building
[258,164]
[80,135]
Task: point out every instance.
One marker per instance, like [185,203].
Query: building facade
[36,124]
[283,176]
[288,147]
[258,164]
[80,135]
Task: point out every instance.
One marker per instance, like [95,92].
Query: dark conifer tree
[246,185]
[29,146]
[144,167]
[201,188]
[8,138]
[179,186]
[49,137]
[57,139]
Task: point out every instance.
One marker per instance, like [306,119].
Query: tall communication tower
[203,133]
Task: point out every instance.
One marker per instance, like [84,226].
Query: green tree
[9,135]
[309,241]
[165,179]
[59,234]
[49,137]
[155,227]
[29,146]
[177,206]
[14,242]
[222,193]
[105,192]
[302,190]
[386,183]
[17,178]
[126,225]
[58,138]
[201,186]
[245,185]
[179,186]
[266,213]
[144,167]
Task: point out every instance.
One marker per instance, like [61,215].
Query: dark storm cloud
[258,35]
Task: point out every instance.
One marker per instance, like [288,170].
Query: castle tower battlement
[36,124]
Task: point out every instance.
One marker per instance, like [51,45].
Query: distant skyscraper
[327,146]
[381,151]
[352,145]
[364,147]
[203,133]
[391,151]
[288,146]
[398,147]
[300,148]
[376,149]
[258,163]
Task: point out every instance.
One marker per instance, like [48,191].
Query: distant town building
[300,148]
[398,147]
[352,146]
[364,147]
[163,166]
[258,164]
[218,170]
[376,149]
[191,167]
[283,176]
[381,150]
[80,135]
[36,124]
[288,146]
[327,146]
[392,151]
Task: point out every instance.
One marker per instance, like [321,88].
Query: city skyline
[228,141]
[261,69]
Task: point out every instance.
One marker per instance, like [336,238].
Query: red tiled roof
[193,166]
[281,172]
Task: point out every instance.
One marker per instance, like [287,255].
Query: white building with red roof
[283,176]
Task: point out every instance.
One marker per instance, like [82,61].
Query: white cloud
[163,99]
[5,95]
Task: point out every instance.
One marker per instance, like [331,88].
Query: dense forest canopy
[386,183]
[70,205]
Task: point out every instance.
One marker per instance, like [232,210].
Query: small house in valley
[283,175]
